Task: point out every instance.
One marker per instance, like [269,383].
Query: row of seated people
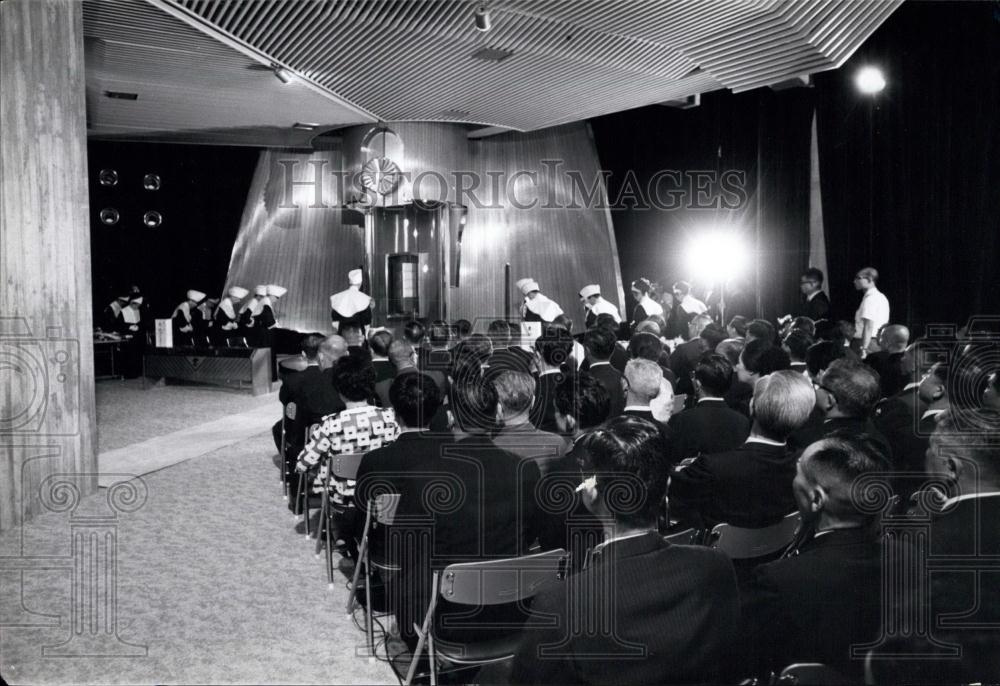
[749,471]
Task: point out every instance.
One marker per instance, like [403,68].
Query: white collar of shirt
[599,364]
[712,400]
[969,496]
[912,384]
[644,408]
[550,371]
[764,441]
[930,413]
[615,539]
[813,295]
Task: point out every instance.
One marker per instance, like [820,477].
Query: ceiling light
[483,21]
[283,74]
[869,80]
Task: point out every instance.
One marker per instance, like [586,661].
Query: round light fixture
[869,80]
[151,182]
[152,219]
[108,177]
[109,216]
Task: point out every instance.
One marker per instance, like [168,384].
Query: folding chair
[343,467]
[302,505]
[744,544]
[287,415]
[812,674]
[490,582]
[381,511]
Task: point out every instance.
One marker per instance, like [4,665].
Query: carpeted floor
[212,579]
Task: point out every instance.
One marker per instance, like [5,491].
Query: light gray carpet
[212,580]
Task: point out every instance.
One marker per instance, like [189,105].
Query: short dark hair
[440,332]
[646,346]
[499,331]
[310,345]
[739,324]
[854,384]
[714,373]
[349,327]
[626,457]
[413,332]
[682,287]
[804,324]
[828,330]
[555,345]
[463,327]
[642,285]
[814,274]
[798,342]
[820,355]
[475,349]
[584,398]
[713,334]
[473,402]
[415,399]
[354,378]
[606,321]
[380,342]
[840,460]
[600,343]
[761,328]
[731,349]
[760,357]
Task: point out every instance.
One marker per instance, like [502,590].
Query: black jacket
[642,612]
[611,379]
[815,309]
[708,427]
[813,605]
[749,487]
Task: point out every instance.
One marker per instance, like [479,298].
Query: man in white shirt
[873,313]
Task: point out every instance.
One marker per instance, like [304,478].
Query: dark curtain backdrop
[204,189]
[911,178]
[725,133]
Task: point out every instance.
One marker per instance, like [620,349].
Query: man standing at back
[872,314]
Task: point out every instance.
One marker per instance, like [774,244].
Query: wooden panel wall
[47,416]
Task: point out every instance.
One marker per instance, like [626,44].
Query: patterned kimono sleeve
[317,446]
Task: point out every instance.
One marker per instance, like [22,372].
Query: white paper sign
[164,333]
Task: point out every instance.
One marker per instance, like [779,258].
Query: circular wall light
[109,216]
[108,177]
[151,182]
[152,219]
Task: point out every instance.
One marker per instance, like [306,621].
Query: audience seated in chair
[826,594]
[710,426]
[600,345]
[751,485]
[642,611]
[516,393]
[552,349]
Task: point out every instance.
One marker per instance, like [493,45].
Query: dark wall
[202,196]
[910,179]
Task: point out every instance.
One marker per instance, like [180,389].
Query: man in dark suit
[758,358]
[460,501]
[815,303]
[642,611]
[379,343]
[687,354]
[752,485]
[403,359]
[600,344]
[846,394]
[710,426]
[311,389]
[964,528]
[644,381]
[552,349]
[516,392]
[813,605]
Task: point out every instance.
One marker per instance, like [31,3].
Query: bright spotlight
[869,80]
[717,256]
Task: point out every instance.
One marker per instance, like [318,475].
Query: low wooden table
[230,367]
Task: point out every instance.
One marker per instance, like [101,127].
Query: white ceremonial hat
[276,291]
[197,296]
[592,289]
[260,290]
[238,292]
[528,285]
[355,277]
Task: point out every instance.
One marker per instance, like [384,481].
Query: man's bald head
[895,338]
[332,349]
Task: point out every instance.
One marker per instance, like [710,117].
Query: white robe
[651,307]
[602,306]
[542,306]
[349,302]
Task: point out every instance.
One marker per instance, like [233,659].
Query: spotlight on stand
[869,80]
[483,21]
[716,256]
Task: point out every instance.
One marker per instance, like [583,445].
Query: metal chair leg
[323,512]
